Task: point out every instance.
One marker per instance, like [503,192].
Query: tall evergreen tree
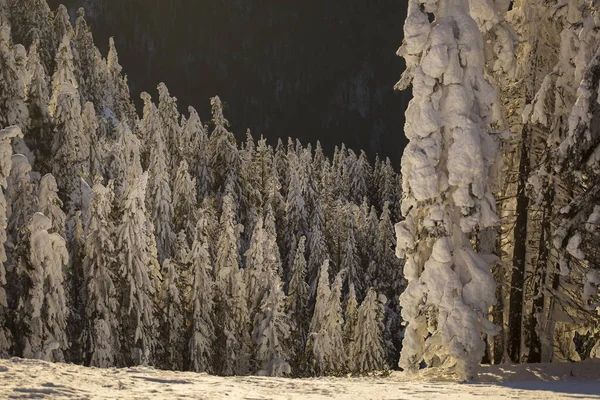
[136,288]
[50,204]
[101,333]
[231,313]
[366,351]
[168,118]
[6,136]
[20,197]
[200,301]
[298,296]
[184,200]
[42,313]
[159,198]
[325,339]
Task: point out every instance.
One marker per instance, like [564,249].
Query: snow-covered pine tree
[168,119]
[136,287]
[62,23]
[70,145]
[184,200]
[196,153]
[350,262]
[222,146]
[20,197]
[90,68]
[325,339]
[6,136]
[200,300]
[366,351]
[117,88]
[65,68]
[40,124]
[271,326]
[360,179]
[281,167]
[158,196]
[101,335]
[31,21]
[231,311]
[446,194]
[125,165]
[50,204]
[173,328]
[258,279]
[13,110]
[317,247]
[298,297]
[43,312]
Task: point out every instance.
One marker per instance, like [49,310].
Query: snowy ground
[37,379]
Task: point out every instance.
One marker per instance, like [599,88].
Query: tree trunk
[515,311]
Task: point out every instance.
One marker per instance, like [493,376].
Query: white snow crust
[39,379]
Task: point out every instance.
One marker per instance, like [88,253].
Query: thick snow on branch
[445,171]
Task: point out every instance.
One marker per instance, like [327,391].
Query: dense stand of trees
[158,239]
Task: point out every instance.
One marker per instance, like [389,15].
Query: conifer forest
[146,236]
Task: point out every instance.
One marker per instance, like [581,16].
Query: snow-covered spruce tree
[101,344]
[196,152]
[125,165]
[136,288]
[350,262]
[360,178]
[31,21]
[90,68]
[40,124]
[13,110]
[231,311]
[272,254]
[6,136]
[184,200]
[42,312]
[168,117]
[366,353]
[50,204]
[446,194]
[258,280]
[577,234]
[70,145]
[298,297]
[317,247]
[62,23]
[173,328]
[158,196]
[65,68]
[200,301]
[325,339]
[271,326]
[20,197]
[117,90]
[295,213]
[221,144]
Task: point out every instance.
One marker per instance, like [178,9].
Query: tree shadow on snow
[568,389]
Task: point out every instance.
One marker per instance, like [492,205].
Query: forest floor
[21,378]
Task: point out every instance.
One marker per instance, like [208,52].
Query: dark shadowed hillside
[306,69]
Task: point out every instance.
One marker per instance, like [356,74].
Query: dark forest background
[314,70]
